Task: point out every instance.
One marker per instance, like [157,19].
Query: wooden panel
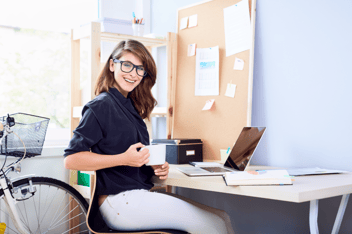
[171,81]
[75,79]
[94,55]
[219,127]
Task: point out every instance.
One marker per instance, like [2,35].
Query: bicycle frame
[10,203]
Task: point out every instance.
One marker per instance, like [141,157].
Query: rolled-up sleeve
[87,134]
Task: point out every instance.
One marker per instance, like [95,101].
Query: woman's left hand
[161,170]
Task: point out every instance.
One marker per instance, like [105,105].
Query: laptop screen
[244,147]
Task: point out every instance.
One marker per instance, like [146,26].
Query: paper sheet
[207,71]
[191,50]
[239,64]
[184,23]
[231,90]
[193,21]
[237,28]
[208,104]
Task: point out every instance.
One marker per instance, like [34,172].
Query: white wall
[302,94]
[47,166]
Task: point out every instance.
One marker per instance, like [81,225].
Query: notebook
[238,159]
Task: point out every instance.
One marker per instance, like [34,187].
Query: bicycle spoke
[5,213]
[26,225]
[23,219]
[73,228]
[40,190]
[35,208]
[50,206]
[80,232]
[50,203]
[25,211]
[67,213]
[7,227]
[46,199]
[65,221]
[52,220]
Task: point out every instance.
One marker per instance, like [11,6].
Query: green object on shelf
[83,179]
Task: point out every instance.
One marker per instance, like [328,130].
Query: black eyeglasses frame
[134,66]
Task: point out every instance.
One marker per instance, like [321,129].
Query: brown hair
[142,95]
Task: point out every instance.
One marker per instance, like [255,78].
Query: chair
[96,224]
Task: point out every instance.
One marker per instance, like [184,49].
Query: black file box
[182,151]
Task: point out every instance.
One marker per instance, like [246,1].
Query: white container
[116,26]
[138,30]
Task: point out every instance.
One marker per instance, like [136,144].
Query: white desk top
[304,188]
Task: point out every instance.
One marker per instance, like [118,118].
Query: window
[35,60]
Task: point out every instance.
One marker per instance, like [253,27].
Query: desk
[304,188]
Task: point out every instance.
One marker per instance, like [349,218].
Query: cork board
[219,127]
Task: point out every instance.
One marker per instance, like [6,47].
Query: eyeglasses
[128,67]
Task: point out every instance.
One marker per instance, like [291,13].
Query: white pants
[142,210]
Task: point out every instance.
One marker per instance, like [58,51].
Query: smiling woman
[108,141]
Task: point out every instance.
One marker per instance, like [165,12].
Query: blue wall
[302,83]
[302,93]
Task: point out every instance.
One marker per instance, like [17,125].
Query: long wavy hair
[142,95]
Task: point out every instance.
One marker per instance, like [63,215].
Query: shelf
[158,112]
[151,42]
[85,32]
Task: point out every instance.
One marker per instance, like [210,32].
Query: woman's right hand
[135,158]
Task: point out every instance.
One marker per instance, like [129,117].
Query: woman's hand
[136,158]
[161,170]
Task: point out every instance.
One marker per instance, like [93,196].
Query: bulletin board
[220,126]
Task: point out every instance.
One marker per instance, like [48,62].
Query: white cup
[138,30]
[157,154]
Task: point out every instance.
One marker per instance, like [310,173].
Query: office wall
[301,93]
[302,81]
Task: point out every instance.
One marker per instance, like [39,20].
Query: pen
[228,150]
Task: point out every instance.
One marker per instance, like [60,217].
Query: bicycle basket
[31,129]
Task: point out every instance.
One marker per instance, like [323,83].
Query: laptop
[238,159]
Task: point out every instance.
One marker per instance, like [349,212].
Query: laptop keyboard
[215,169]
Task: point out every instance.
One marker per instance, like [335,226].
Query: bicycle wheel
[52,207]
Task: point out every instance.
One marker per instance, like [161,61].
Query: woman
[108,140]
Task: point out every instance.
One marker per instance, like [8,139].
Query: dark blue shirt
[110,124]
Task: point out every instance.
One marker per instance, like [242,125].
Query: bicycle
[35,204]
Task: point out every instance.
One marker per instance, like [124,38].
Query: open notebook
[238,159]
